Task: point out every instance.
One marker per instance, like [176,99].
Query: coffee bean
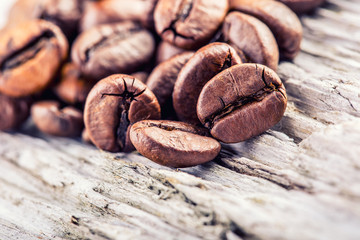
[111,11]
[302,6]
[205,64]
[162,79]
[283,22]
[173,144]
[30,55]
[189,23]
[112,48]
[242,102]
[73,88]
[112,106]
[50,118]
[166,50]
[252,37]
[14,111]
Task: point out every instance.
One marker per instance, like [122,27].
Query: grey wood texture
[299,180]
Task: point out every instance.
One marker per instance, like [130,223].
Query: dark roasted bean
[189,23]
[283,22]
[112,106]
[173,144]
[112,48]
[50,118]
[252,37]
[30,55]
[242,102]
[205,64]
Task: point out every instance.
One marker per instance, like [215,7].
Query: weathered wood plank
[299,180]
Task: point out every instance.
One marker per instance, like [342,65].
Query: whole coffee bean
[73,88]
[283,22]
[252,37]
[162,79]
[112,48]
[242,102]
[14,111]
[189,23]
[30,55]
[204,65]
[50,118]
[111,11]
[173,144]
[112,106]
[302,6]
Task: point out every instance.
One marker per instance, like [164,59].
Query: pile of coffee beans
[169,78]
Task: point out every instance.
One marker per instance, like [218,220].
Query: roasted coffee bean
[173,144]
[112,106]
[14,111]
[162,79]
[166,50]
[283,22]
[302,6]
[30,55]
[51,119]
[112,48]
[252,37]
[242,102]
[205,64]
[189,23]
[73,88]
[111,11]
[63,13]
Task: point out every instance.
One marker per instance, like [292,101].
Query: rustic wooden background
[299,180]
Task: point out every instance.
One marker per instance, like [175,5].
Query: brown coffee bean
[111,11]
[189,23]
[112,48]
[204,65]
[242,102]
[73,88]
[30,55]
[252,37]
[173,144]
[50,118]
[14,111]
[162,79]
[302,6]
[283,22]
[166,50]
[112,106]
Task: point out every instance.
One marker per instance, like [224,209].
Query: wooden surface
[299,180]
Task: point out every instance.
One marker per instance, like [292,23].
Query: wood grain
[299,180]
